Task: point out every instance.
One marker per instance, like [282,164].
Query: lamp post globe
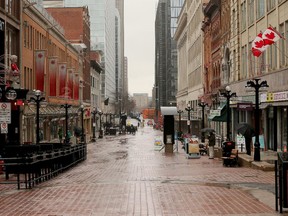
[100,113]
[82,122]
[179,126]
[202,104]
[228,95]
[94,112]
[188,109]
[37,99]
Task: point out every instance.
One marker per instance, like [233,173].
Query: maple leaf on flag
[270,36]
[256,52]
[258,45]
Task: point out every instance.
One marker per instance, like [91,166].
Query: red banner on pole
[53,68]
[70,83]
[62,79]
[76,86]
[40,69]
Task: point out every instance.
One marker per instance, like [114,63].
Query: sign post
[5,117]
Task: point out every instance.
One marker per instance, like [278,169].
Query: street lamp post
[110,118]
[179,126]
[202,104]
[37,100]
[94,112]
[100,129]
[228,95]
[82,122]
[257,85]
[66,106]
[106,123]
[188,109]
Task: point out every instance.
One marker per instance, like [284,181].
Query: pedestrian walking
[60,134]
[211,139]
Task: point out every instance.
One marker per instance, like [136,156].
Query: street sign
[4,128]
[215,112]
[5,113]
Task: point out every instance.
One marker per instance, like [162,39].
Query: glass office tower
[102,25]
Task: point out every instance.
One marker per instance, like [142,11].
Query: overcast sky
[139,44]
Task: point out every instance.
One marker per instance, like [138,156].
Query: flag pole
[280,35]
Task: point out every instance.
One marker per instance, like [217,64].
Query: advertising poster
[240,141]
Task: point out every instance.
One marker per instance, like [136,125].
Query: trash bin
[100,134]
[227,148]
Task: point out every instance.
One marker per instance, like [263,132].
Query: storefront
[276,119]
[51,119]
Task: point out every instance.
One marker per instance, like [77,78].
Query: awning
[222,117]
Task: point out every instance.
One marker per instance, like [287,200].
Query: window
[243,15]
[12,7]
[251,62]
[262,63]
[251,12]
[243,71]
[282,46]
[272,57]
[234,65]
[270,4]
[260,8]
[234,17]
[25,33]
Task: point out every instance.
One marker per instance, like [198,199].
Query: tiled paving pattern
[124,175]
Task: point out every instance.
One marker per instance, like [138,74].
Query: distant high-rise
[120,79]
[166,52]
[102,25]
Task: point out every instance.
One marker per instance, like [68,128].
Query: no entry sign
[5,113]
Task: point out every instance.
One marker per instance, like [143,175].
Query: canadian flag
[258,45]
[270,36]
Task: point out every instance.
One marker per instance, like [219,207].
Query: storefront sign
[215,112]
[273,97]
[245,106]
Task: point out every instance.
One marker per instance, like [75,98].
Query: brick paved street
[124,175]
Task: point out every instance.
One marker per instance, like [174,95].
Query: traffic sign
[4,128]
[5,113]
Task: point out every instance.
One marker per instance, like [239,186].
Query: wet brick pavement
[124,175]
